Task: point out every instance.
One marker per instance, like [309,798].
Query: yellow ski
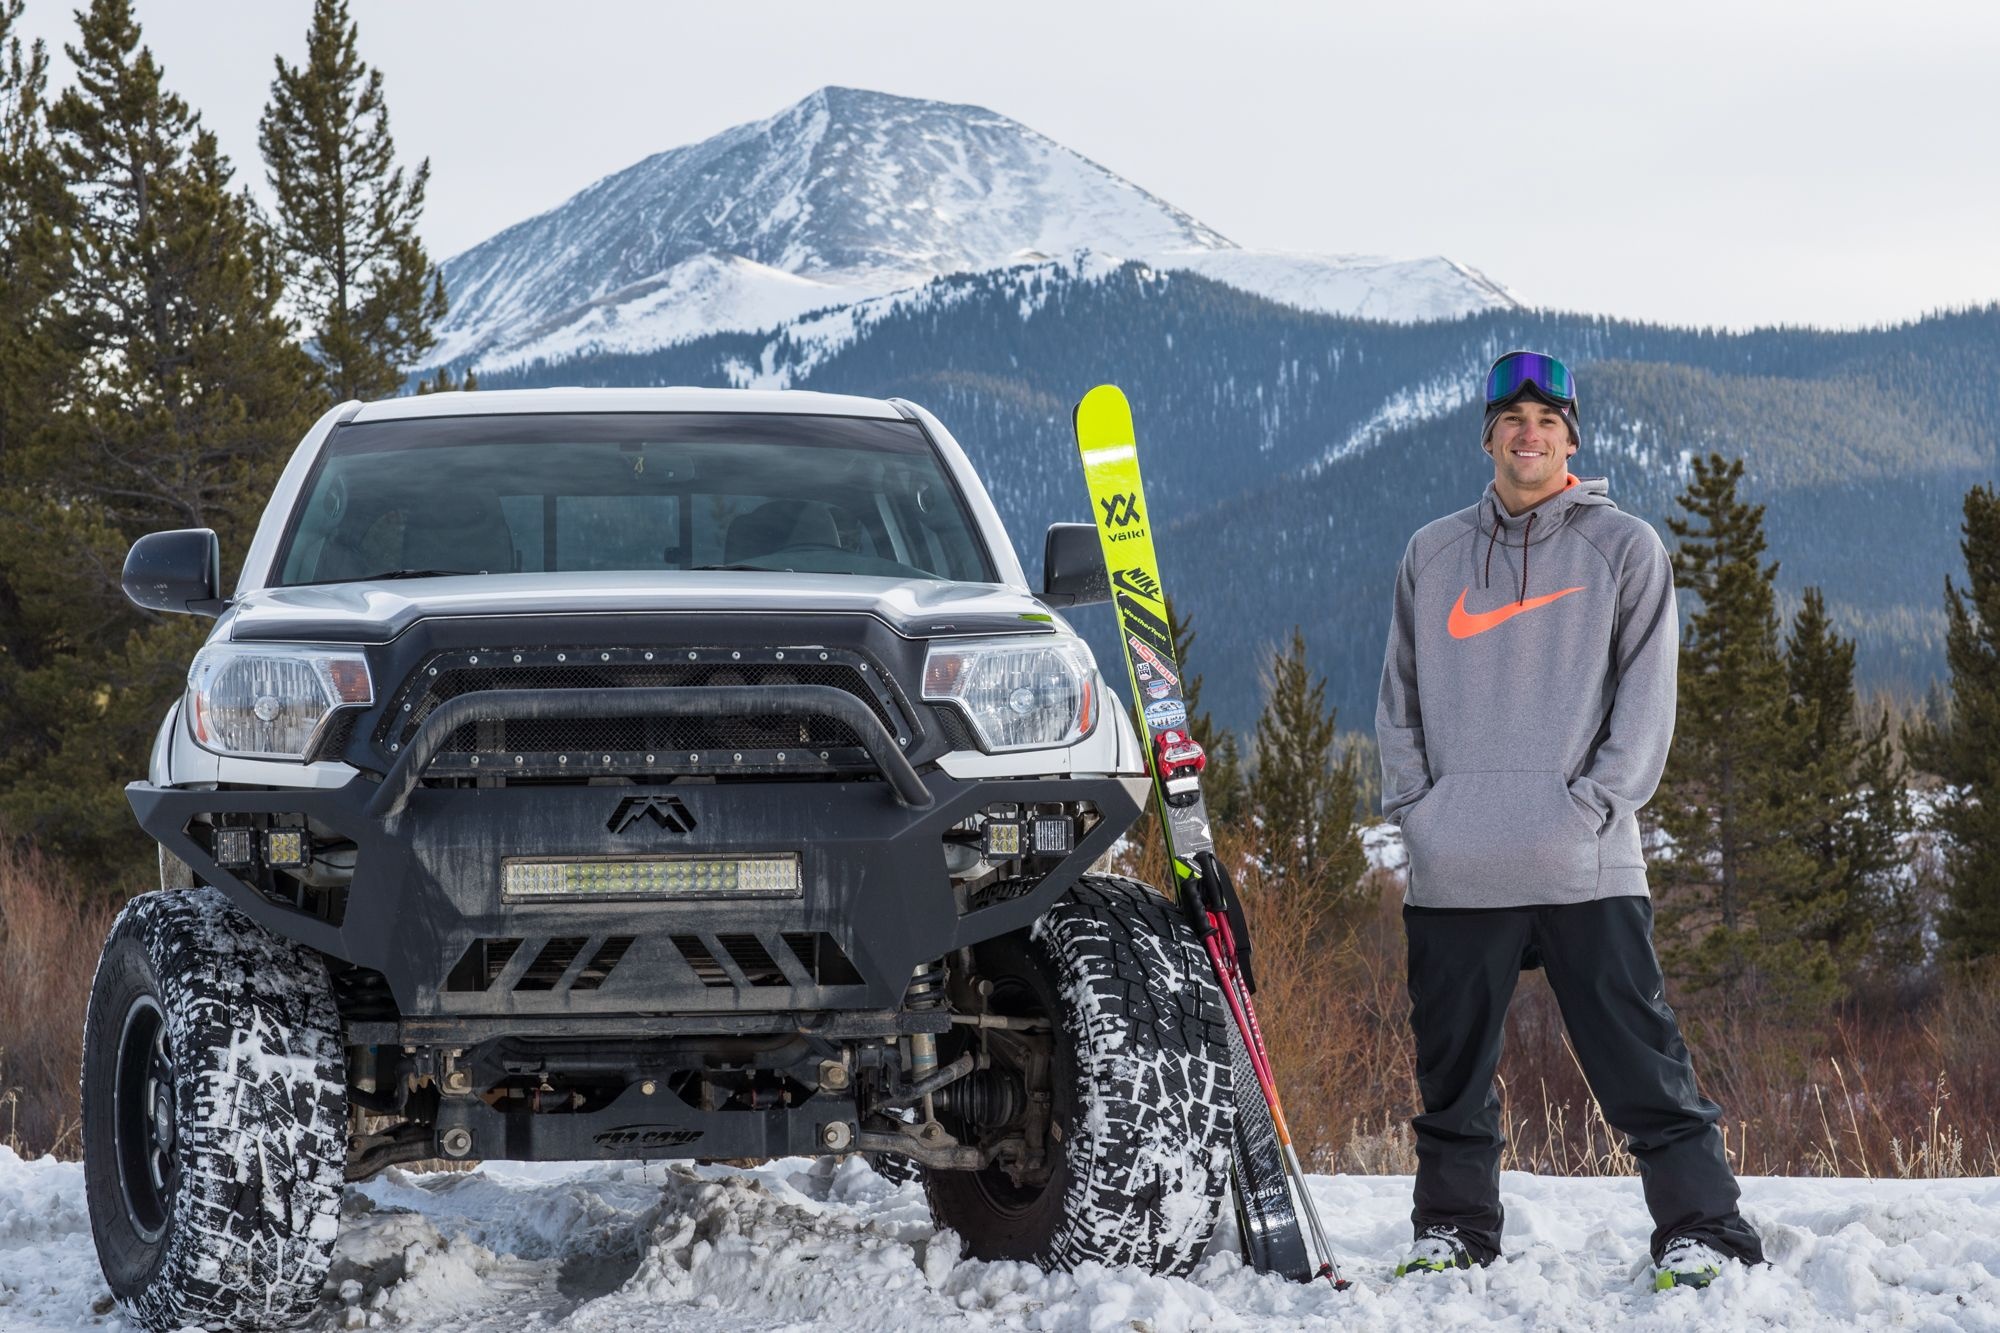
[1264,1157]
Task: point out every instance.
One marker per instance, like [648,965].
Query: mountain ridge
[851,195]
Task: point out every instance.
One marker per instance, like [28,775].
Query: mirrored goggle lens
[1511,374]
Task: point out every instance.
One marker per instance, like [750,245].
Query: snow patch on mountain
[1365,286]
[793,351]
[697,296]
[1434,397]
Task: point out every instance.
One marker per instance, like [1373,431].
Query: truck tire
[1141,1089]
[214,1117]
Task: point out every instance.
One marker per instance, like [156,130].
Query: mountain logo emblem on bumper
[669,812]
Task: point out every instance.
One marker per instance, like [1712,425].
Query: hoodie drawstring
[1527,535]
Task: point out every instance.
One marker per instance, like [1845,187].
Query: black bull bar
[429,865]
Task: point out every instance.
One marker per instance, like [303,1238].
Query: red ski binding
[1179,762]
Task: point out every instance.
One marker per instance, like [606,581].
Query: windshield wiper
[414,574]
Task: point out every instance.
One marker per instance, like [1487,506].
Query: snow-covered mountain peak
[849,186]
[849,195]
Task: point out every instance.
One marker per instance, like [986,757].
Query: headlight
[1019,694]
[269,701]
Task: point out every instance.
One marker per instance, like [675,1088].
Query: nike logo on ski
[1463,624]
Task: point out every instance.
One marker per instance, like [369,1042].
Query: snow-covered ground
[641,1247]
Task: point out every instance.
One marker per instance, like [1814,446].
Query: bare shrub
[50,935]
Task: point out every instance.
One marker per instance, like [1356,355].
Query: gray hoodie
[1527,700]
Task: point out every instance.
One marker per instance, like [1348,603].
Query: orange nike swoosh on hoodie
[1464,624]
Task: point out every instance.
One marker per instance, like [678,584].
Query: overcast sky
[1753,162]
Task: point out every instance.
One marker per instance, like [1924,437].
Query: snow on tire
[214,1117]
[1142,1091]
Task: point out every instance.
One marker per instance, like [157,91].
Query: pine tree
[1965,749]
[1222,785]
[347,215]
[36,354]
[443,382]
[1304,793]
[189,395]
[33,248]
[1856,789]
[1739,891]
[1882,816]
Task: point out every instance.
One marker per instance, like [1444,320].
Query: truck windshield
[630,491]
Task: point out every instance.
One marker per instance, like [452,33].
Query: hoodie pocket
[1476,833]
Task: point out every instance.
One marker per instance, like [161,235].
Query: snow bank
[806,1246]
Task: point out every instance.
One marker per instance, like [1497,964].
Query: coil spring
[926,988]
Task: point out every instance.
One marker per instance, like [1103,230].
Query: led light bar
[776,876]
[1053,836]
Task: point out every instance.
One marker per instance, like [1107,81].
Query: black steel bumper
[427,887]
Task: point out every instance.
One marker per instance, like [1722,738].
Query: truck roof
[487,402]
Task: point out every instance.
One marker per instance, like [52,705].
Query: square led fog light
[286,848]
[1053,836]
[773,876]
[233,848]
[1001,837]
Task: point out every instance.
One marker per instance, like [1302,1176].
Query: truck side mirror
[176,571]
[1073,566]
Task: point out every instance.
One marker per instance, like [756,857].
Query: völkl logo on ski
[1120,511]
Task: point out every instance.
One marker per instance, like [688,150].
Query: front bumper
[426,902]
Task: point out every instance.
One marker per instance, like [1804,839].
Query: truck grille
[589,747]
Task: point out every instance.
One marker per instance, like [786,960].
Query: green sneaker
[1687,1262]
[1438,1250]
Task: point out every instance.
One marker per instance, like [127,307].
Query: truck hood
[378,612]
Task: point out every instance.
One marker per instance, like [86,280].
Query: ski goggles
[1530,370]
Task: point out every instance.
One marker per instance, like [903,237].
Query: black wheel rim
[144,1119]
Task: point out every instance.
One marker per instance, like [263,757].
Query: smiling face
[1530,446]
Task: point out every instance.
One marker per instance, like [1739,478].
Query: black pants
[1600,963]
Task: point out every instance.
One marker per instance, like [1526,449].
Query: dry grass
[50,934]
[1903,1085]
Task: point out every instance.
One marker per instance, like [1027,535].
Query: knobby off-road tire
[1142,1089]
[214,1117]
[896,1168]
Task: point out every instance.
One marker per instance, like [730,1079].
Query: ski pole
[1220,942]
[1260,1061]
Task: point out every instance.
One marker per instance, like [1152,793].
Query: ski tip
[1103,418]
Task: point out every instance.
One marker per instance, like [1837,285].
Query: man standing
[1526,709]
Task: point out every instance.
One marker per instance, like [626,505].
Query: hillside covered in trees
[1291,455]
